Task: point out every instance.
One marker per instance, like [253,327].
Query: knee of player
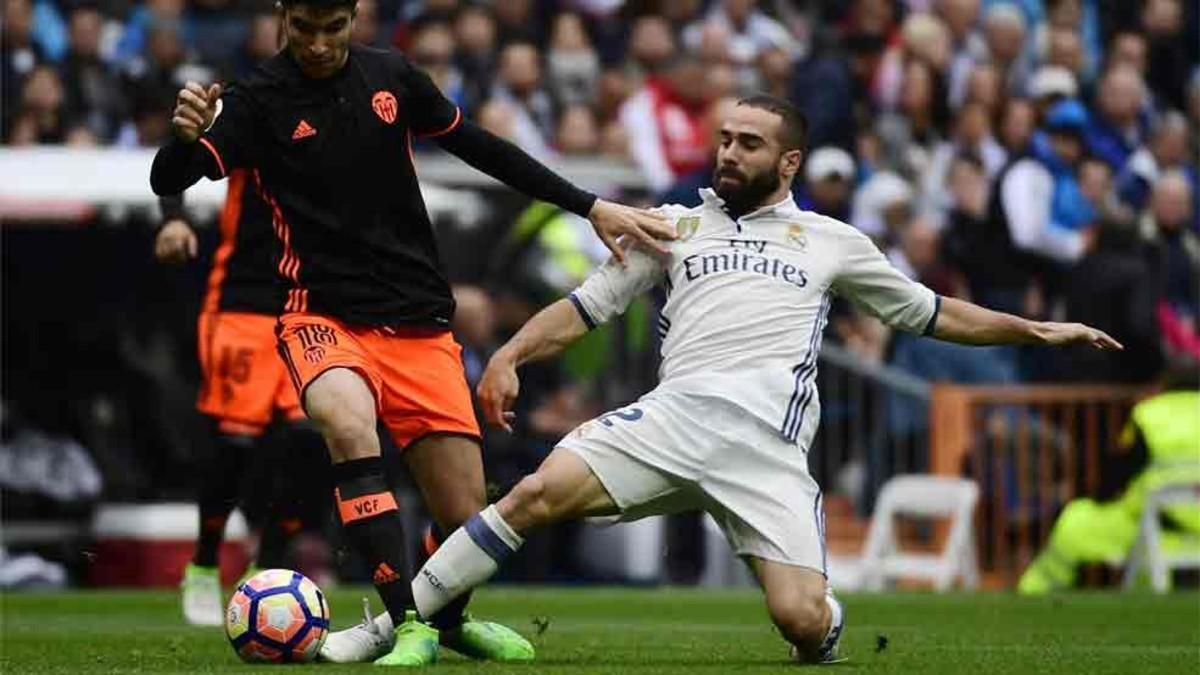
[348,430]
[801,617]
[529,496]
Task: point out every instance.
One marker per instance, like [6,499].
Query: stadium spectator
[1017,125]
[1051,84]
[516,21]
[977,243]
[261,43]
[1128,47]
[1119,125]
[218,28]
[519,87]
[612,89]
[18,57]
[1113,289]
[1080,19]
[961,18]
[1064,49]
[825,89]
[1005,30]
[746,30]
[475,38]
[972,135]
[983,86]
[882,206]
[1175,254]
[41,115]
[577,133]
[912,131]
[829,177]
[1169,147]
[665,121]
[774,74]
[572,65]
[366,30]
[1172,48]
[651,45]
[1045,211]
[135,35]
[923,39]
[151,81]
[93,97]
[433,50]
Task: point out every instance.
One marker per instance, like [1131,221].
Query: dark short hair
[794,130]
[321,4]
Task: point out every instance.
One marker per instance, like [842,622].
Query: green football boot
[416,644]
[201,595]
[487,641]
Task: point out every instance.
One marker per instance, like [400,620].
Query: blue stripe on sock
[485,538]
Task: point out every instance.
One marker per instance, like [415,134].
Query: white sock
[468,557]
[835,622]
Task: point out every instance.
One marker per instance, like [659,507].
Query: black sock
[277,533]
[372,523]
[219,492]
[449,617]
[291,496]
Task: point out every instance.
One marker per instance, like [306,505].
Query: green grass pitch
[625,631]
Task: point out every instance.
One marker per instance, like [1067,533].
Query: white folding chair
[882,562]
[1147,548]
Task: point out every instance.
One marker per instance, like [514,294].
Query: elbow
[160,180]
[160,186]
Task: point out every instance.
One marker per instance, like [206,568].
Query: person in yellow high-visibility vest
[1163,436]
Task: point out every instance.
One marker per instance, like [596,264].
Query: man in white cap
[829,178]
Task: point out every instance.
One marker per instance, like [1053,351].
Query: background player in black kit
[324,129]
[244,389]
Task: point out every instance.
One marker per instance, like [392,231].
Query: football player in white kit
[728,428]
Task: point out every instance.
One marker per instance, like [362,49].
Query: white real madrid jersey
[747,301]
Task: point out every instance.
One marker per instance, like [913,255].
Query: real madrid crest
[795,234]
[686,227]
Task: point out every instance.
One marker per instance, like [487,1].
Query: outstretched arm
[967,323]
[603,295]
[511,165]
[547,334]
[436,117]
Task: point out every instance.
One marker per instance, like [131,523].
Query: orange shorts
[416,375]
[243,380]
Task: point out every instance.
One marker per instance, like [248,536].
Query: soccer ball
[279,616]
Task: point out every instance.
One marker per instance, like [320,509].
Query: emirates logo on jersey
[384,104]
[314,354]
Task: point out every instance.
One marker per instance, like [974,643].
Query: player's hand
[176,243]
[1060,334]
[497,390]
[613,221]
[195,108]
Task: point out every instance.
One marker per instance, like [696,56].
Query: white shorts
[672,452]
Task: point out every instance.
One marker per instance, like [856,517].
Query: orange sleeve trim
[452,127]
[216,155]
[366,506]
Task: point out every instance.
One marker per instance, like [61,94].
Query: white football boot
[363,643]
[201,589]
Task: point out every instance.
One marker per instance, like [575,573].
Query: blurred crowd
[1035,156]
